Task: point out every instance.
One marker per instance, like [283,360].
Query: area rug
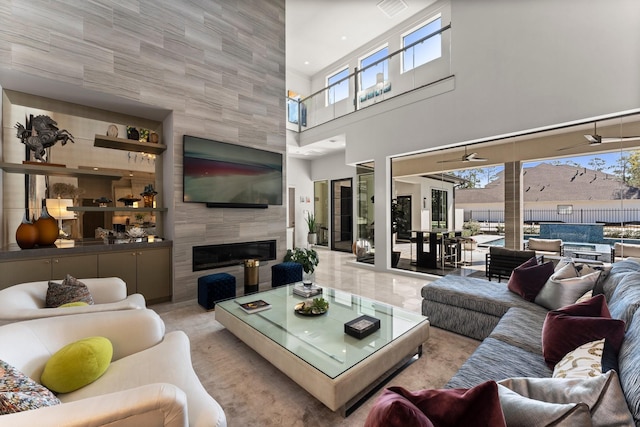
[254,393]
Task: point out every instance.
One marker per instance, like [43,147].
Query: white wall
[518,66]
[299,177]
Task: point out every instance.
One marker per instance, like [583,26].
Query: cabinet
[146,271]
[50,268]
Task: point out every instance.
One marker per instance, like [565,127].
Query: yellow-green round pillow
[77,364]
[73,304]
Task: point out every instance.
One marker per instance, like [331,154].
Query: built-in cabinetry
[49,268]
[147,272]
[145,267]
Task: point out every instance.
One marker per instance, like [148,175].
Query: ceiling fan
[470,157]
[595,139]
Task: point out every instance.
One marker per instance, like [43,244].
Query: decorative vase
[312,238]
[47,228]
[307,279]
[26,234]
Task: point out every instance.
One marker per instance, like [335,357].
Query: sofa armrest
[31,343]
[157,404]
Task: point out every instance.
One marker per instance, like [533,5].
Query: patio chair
[500,262]
[545,246]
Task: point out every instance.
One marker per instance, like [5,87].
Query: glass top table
[320,341]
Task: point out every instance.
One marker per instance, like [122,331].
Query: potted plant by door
[308,258]
[312,237]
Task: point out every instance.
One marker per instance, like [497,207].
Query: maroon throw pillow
[478,406]
[528,278]
[393,410]
[567,328]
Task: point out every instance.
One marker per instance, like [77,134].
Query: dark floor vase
[395,258]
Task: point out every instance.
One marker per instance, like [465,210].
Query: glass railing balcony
[417,65]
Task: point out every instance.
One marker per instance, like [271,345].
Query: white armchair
[150,381]
[27,300]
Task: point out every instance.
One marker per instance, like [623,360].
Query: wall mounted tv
[229,175]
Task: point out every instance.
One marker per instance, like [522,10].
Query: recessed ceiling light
[306,62]
[343,38]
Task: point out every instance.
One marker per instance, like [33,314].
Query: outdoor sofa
[510,328]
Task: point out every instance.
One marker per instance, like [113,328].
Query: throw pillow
[77,364]
[566,329]
[602,394]
[70,290]
[563,289]
[20,393]
[393,410]
[583,362]
[478,406]
[74,304]
[528,278]
[521,411]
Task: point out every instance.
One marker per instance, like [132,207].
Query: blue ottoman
[285,273]
[215,287]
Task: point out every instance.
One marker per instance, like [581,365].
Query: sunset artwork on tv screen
[228,175]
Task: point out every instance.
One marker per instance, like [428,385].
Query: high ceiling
[320,32]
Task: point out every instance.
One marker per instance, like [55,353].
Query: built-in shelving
[113,209]
[128,144]
[44,169]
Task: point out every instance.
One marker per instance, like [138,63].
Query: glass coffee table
[314,350]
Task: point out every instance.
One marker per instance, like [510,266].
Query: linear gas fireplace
[215,256]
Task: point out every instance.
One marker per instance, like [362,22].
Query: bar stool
[449,251]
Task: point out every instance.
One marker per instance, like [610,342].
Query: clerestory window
[425,51]
[337,91]
[377,73]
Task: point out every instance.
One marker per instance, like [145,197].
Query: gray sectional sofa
[510,328]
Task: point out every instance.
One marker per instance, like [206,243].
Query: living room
[511,77]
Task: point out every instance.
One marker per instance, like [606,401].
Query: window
[565,209]
[340,91]
[425,51]
[369,77]
[438,209]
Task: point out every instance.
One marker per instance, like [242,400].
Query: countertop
[76,247]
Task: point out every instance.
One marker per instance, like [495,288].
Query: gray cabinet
[146,271]
[49,268]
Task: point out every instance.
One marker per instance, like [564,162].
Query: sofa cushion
[496,360]
[522,328]
[528,278]
[473,294]
[77,364]
[478,406]
[577,324]
[70,290]
[583,362]
[618,271]
[625,299]
[520,410]
[564,287]
[547,245]
[628,362]
[394,410]
[602,394]
[20,393]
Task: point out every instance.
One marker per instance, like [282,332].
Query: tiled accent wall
[218,65]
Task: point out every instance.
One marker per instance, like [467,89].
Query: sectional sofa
[510,328]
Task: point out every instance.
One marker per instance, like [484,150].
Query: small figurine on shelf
[148,195]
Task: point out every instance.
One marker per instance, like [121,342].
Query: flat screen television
[229,175]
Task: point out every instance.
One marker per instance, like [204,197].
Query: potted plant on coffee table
[308,258]
[312,237]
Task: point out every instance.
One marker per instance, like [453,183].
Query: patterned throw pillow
[70,290]
[20,393]
[583,362]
